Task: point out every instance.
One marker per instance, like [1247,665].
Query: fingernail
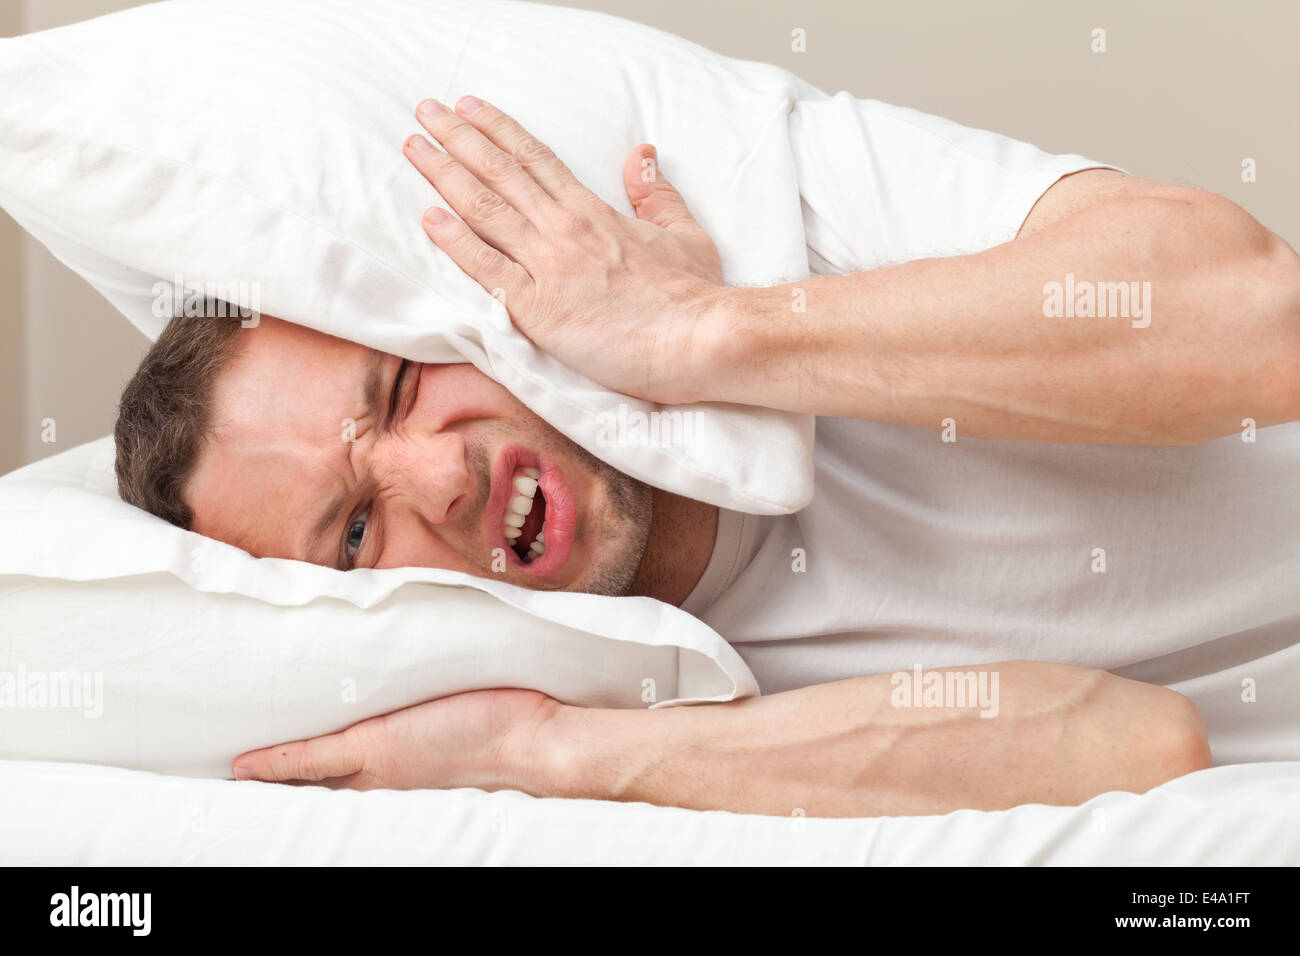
[243,773]
[468,104]
[432,108]
[435,216]
[418,144]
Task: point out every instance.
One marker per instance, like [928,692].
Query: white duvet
[70,814]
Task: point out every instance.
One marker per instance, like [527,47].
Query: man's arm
[1061,735]
[1056,734]
[1209,330]
[1211,337]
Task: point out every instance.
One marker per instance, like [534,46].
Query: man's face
[325,451]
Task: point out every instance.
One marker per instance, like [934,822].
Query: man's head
[290,443]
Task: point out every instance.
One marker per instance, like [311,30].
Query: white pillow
[127,641]
[257,142]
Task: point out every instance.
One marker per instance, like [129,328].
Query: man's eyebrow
[370,398]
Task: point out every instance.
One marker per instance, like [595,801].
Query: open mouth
[534,511]
[525,515]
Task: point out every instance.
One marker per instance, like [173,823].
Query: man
[236,434]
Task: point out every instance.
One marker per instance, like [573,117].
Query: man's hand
[637,304]
[482,739]
[614,298]
[1047,734]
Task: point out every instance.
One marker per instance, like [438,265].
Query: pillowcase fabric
[127,641]
[253,147]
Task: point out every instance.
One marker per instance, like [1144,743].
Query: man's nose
[429,473]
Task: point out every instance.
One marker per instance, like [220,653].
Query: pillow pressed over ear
[253,147]
[127,641]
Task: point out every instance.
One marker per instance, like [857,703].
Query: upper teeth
[519,506]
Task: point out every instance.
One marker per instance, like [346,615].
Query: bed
[76,814]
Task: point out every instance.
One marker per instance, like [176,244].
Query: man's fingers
[492,164]
[491,216]
[492,269]
[654,197]
[312,760]
[530,153]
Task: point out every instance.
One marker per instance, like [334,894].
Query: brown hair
[165,413]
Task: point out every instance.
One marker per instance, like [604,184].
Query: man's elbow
[1282,275]
[1249,281]
[1178,744]
[1267,293]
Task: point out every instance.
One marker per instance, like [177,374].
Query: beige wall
[72,352]
[12,325]
[1186,90]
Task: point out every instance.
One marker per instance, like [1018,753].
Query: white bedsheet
[73,814]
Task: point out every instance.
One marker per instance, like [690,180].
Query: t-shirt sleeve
[884,184]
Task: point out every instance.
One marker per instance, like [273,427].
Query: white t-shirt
[1178,566]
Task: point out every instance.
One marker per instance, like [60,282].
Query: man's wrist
[724,346]
[563,759]
[600,753]
[747,347]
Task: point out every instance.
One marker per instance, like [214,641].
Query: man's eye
[397,389]
[355,536]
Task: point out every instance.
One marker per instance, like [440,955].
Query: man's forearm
[1209,332]
[1060,735]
